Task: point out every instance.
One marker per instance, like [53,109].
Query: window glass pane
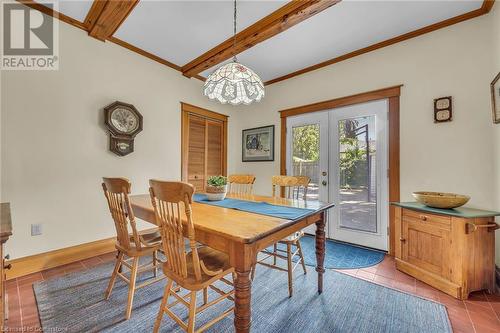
[305,156]
[357,172]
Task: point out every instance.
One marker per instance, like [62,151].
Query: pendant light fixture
[233,82]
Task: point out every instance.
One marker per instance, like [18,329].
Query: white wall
[453,157]
[55,148]
[495,40]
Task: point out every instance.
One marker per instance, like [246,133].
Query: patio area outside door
[358,168]
[307,154]
[345,153]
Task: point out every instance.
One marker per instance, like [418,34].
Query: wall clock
[442,109]
[123,122]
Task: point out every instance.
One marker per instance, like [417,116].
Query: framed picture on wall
[258,144]
[495,98]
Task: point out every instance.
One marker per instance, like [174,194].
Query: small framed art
[258,144]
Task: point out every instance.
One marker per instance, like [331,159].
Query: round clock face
[124,120]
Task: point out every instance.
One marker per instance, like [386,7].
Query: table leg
[242,301]
[320,251]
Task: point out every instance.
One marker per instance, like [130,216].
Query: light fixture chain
[234,33]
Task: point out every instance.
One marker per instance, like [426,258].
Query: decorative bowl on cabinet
[441,199]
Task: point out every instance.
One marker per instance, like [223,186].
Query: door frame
[188,109]
[392,94]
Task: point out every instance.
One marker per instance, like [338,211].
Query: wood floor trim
[39,262]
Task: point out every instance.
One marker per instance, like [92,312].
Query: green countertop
[467,213]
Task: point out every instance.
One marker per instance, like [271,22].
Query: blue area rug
[75,303]
[339,255]
[262,208]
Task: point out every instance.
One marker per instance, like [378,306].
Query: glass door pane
[357,173]
[305,156]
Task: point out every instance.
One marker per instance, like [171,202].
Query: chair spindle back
[241,184]
[116,191]
[170,200]
[291,186]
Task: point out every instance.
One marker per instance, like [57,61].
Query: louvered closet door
[197,152]
[214,148]
[205,150]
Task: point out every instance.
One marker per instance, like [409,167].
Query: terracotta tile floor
[480,313]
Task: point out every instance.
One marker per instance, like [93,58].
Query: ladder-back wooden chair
[292,187]
[129,242]
[241,184]
[194,270]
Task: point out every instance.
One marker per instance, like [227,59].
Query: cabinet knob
[402,240]
[9,266]
[423,217]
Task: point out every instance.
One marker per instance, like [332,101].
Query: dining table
[242,234]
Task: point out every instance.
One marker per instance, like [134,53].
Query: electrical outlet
[36,229]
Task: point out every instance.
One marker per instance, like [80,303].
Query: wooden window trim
[189,109]
[390,93]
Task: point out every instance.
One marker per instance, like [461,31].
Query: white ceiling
[180,31]
[343,28]
[76,9]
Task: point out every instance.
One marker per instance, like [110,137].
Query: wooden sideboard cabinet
[452,250]
[5,233]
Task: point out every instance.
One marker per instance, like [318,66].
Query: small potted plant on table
[216,188]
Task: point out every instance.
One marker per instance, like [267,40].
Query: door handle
[324,182]
[324,173]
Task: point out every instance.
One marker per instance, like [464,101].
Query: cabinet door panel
[427,247]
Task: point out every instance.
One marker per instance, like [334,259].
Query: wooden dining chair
[292,187]
[129,242]
[194,270]
[241,184]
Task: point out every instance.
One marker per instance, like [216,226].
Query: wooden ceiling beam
[94,13]
[105,16]
[487,5]
[280,20]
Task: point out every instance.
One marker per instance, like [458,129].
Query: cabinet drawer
[430,219]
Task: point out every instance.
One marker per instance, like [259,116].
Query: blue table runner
[263,208]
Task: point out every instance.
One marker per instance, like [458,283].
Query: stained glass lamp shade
[234,83]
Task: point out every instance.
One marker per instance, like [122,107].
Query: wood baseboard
[39,262]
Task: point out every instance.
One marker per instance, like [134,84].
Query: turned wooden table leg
[242,301]
[320,251]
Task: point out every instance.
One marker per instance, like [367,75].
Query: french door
[307,154]
[345,153]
